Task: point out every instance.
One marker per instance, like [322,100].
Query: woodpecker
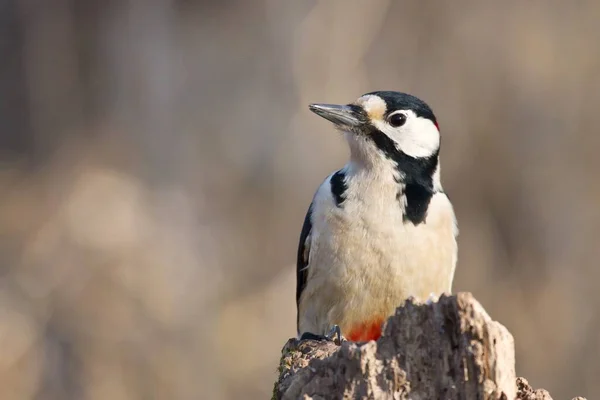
[379,230]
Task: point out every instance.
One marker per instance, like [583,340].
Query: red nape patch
[365,331]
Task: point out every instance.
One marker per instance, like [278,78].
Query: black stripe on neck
[338,187]
[417,177]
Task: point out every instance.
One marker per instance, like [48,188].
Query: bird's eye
[397,120]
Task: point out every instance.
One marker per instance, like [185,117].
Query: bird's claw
[334,335]
[432,298]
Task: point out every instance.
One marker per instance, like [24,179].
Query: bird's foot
[334,335]
[432,298]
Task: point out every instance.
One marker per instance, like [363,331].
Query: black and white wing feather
[302,259]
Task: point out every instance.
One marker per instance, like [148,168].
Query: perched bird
[379,230]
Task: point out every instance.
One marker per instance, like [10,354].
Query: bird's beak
[345,116]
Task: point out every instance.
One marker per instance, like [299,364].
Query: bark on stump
[450,349]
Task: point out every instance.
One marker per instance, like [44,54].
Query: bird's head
[385,124]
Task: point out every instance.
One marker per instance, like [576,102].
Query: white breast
[365,260]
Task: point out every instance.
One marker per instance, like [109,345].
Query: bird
[379,230]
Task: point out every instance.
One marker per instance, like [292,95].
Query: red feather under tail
[365,331]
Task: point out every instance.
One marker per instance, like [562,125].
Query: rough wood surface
[450,349]
[526,392]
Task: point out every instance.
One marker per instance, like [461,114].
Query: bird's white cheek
[419,142]
[419,138]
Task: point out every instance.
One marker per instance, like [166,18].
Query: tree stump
[449,349]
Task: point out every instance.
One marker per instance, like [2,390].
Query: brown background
[157,158]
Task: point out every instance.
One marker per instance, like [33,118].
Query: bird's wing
[303,257]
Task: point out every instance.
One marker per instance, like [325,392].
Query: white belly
[365,262]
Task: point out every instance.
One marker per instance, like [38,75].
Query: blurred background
[157,158]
